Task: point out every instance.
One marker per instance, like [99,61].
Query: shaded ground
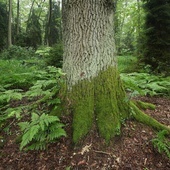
[132,150]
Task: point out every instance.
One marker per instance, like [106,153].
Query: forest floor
[132,150]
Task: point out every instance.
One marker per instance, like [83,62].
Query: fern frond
[41,130]
[161,143]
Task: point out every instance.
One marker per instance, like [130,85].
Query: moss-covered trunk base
[102,100]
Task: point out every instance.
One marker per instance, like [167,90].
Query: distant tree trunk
[31,9]
[18,10]
[9,24]
[49,22]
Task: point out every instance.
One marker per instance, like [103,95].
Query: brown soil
[132,150]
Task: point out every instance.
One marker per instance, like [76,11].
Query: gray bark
[88,38]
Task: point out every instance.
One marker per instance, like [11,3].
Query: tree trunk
[94,86]
[91,68]
[9,24]
[49,23]
[18,10]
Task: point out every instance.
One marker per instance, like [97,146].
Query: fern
[146,84]
[40,131]
[8,95]
[161,143]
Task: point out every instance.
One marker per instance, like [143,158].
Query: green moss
[102,100]
[146,119]
[144,105]
[110,106]
[82,96]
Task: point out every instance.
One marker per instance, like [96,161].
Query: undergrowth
[161,143]
[40,131]
[146,84]
[42,97]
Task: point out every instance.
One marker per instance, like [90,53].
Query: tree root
[144,105]
[140,116]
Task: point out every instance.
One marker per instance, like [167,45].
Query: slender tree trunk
[9,24]
[138,28]
[49,22]
[31,9]
[18,10]
[90,64]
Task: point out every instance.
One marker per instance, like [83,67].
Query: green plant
[146,84]
[17,52]
[161,143]
[55,57]
[47,87]
[41,130]
[15,75]
[42,97]
[127,64]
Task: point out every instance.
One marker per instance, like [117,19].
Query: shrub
[161,143]
[41,130]
[55,57]
[17,52]
[146,84]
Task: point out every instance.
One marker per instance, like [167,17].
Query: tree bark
[93,83]
[91,67]
[9,24]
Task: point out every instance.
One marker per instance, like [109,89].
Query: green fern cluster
[41,130]
[161,143]
[47,88]
[15,75]
[42,97]
[146,84]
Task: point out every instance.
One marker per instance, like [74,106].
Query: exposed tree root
[146,119]
[144,105]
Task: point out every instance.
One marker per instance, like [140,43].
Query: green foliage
[146,84]
[127,64]
[8,95]
[53,27]
[41,130]
[16,75]
[42,98]
[55,57]
[3,25]
[33,30]
[157,35]
[17,52]
[128,23]
[161,143]
[43,51]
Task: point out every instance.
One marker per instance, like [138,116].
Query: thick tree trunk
[91,68]
[93,83]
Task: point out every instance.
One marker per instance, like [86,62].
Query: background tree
[53,26]
[10,24]
[33,30]
[157,35]
[3,25]
[129,18]
[94,87]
